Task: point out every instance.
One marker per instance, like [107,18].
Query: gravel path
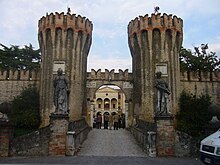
[102,142]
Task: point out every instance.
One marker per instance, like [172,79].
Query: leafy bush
[25,109]
[193,114]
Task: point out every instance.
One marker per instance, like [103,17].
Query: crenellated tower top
[68,21]
[156,21]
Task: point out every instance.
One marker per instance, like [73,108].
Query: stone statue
[61,92]
[162,96]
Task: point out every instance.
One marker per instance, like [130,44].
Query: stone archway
[123,80]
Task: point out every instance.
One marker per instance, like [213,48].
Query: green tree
[30,57]
[186,58]
[19,58]
[25,109]
[199,60]
[193,114]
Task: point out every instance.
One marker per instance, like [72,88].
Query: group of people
[116,121]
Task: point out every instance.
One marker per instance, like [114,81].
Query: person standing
[106,119]
[119,122]
[99,121]
[123,121]
[110,121]
[115,118]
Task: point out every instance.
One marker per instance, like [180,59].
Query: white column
[92,108]
[126,114]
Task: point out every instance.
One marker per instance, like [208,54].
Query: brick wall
[59,128]
[165,136]
[6,132]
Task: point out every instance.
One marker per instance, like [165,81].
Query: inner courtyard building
[109,100]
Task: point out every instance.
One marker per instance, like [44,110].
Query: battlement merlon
[155,22]
[109,75]
[23,75]
[65,22]
[203,76]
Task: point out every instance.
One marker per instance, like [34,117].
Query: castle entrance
[109,101]
[110,94]
[154,43]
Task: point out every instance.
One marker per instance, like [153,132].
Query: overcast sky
[109,50]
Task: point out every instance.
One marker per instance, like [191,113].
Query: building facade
[109,100]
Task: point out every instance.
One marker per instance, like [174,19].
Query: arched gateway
[154,43]
[122,79]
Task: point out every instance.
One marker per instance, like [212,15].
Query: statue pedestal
[165,136]
[58,127]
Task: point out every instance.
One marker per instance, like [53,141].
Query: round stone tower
[155,43]
[65,41]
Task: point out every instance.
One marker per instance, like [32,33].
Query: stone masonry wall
[154,43]
[32,144]
[12,83]
[50,140]
[203,84]
[64,41]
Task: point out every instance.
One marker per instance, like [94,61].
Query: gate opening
[109,107]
